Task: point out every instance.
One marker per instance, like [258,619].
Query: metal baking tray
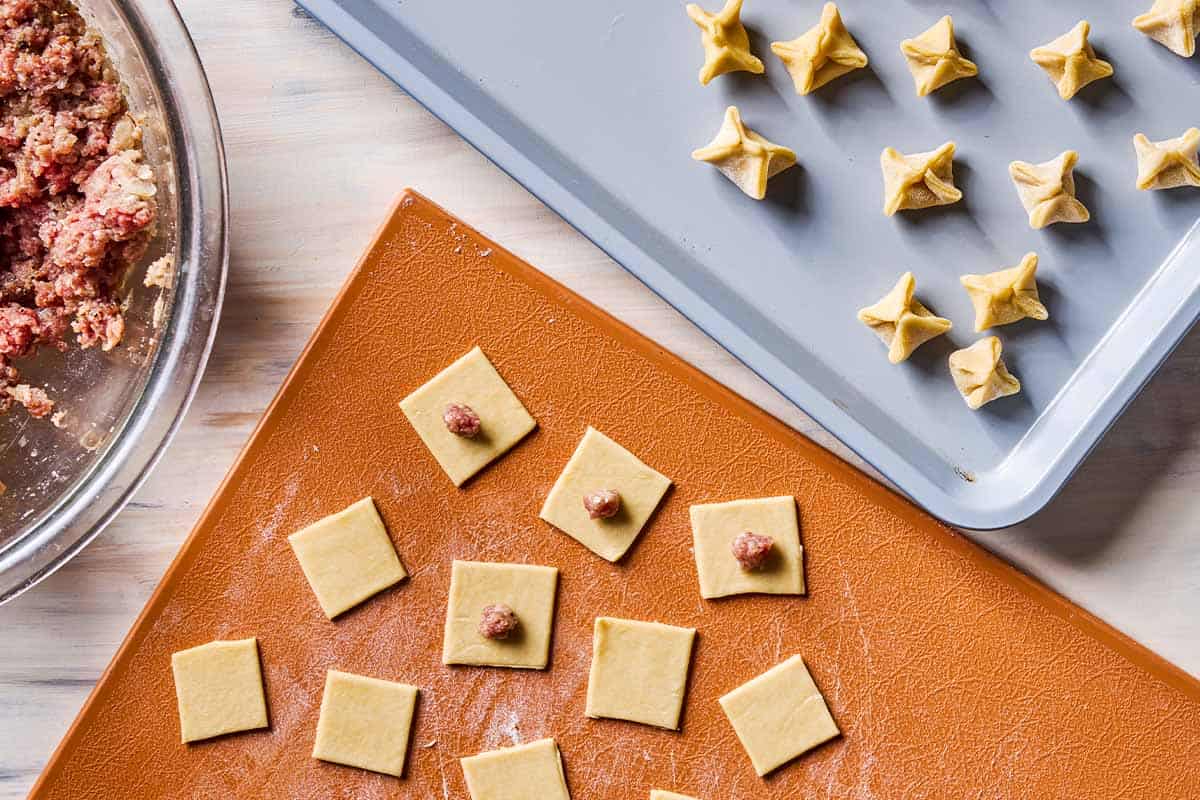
[596,108]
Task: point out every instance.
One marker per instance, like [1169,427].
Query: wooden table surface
[318,144]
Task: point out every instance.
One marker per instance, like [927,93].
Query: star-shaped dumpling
[825,52]
[1006,296]
[1071,62]
[933,58]
[1048,190]
[1168,164]
[744,157]
[726,43]
[1172,23]
[920,180]
[980,374]
[901,321]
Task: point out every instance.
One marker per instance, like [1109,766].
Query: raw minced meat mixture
[77,202]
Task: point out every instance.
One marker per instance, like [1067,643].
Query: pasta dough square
[779,715]
[659,794]
[347,557]
[716,525]
[526,772]
[365,722]
[527,589]
[472,381]
[219,688]
[639,671]
[600,463]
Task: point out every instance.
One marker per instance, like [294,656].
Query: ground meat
[461,420]
[497,621]
[602,503]
[77,203]
[752,550]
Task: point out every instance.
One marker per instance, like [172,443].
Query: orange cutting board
[950,674]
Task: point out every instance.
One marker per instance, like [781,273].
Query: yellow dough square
[639,671]
[365,722]
[779,715]
[219,688]
[473,381]
[659,794]
[347,557]
[599,463]
[527,589]
[716,525]
[526,772]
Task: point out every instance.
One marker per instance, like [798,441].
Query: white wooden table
[318,145]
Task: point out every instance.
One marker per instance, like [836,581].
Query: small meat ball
[461,420]
[497,621]
[752,550]
[602,503]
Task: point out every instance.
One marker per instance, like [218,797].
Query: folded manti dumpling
[901,321]
[933,58]
[744,157]
[920,180]
[1047,190]
[980,373]
[1004,297]
[1168,164]
[823,53]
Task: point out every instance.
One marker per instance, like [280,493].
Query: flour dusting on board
[504,729]
[237,590]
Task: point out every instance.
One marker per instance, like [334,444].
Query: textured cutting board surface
[950,674]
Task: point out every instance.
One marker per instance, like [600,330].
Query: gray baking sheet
[595,107]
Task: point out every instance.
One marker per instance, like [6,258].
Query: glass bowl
[65,483]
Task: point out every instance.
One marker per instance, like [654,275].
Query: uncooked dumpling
[901,321]
[744,157]
[933,58]
[920,180]
[825,52]
[980,374]
[1006,296]
[1168,164]
[1071,62]
[726,44]
[1048,190]
[1172,23]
